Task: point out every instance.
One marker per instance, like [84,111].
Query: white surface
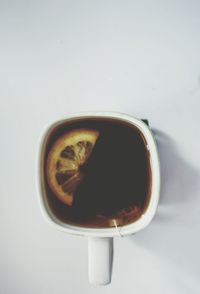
[141,58]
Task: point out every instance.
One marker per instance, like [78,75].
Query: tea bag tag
[114,221]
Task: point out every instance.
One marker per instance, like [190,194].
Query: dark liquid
[116,188]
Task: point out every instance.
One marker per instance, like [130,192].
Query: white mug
[100,240]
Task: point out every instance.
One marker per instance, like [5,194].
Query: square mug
[100,240]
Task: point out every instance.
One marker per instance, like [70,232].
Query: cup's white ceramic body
[100,245]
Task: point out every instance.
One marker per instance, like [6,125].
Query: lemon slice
[66,156]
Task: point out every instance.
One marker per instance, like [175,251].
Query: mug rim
[128,229]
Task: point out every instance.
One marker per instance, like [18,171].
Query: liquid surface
[116,187]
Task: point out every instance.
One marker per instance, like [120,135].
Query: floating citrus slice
[67,155]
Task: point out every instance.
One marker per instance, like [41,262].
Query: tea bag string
[117,228]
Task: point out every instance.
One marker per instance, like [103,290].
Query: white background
[137,57]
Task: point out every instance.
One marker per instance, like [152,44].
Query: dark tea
[112,186]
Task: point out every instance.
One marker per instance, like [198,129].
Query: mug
[100,240]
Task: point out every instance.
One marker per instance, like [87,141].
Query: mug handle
[100,257]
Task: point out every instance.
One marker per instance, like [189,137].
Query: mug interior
[131,228]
